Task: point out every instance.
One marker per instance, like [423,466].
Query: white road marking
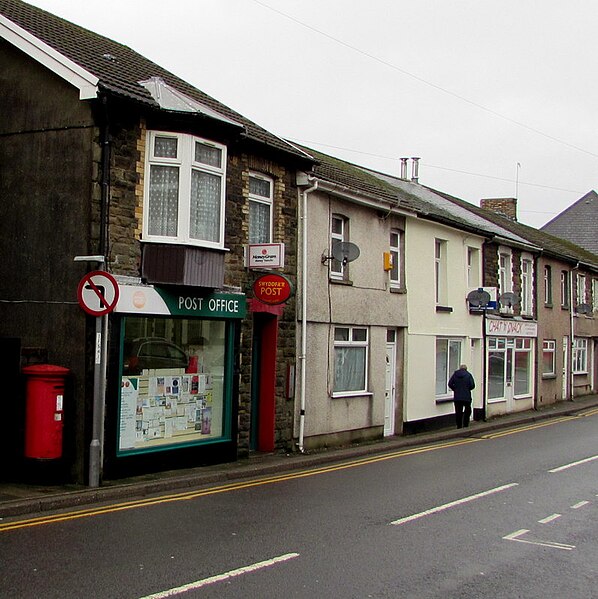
[578,505]
[222,577]
[514,536]
[572,464]
[446,506]
[549,519]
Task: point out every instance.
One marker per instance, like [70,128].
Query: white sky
[473,87]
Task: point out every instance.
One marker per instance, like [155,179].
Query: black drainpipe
[105,183]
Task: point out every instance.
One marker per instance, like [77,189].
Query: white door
[565,367]
[389,389]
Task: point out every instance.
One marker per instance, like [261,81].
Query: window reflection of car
[152,353]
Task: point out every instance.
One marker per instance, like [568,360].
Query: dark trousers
[462,413]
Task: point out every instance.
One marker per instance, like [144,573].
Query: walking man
[461,383]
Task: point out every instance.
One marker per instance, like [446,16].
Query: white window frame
[505,276]
[565,282]
[268,201]
[186,163]
[580,355]
[522,346]
[549,349]
[440,272]
[352,341]
[394,274]
[473,267]
[580,288]
[527,281]
[547,285]
[595,295]
[337,269]
[445,392]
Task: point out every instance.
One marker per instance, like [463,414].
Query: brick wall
[126,217]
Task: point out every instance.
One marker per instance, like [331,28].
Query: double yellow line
[184,496]
[129,505]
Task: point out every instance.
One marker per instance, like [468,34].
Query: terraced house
[108,158]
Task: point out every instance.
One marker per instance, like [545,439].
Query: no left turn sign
[98,293]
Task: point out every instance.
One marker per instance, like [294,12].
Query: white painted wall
[366,301]
[426,324]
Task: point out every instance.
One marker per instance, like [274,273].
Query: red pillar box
[44,410]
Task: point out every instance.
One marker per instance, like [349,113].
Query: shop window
[548,358]
[523,354]
[580,356]
[184,190]
[448,359]
[350,360]
[173,388]
[260,209]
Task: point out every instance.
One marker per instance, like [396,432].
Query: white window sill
[342,394]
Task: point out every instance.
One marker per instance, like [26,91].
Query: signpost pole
[99,288]
[95,447]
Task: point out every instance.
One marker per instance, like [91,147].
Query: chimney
[414,169]
[504,206]
[404,168]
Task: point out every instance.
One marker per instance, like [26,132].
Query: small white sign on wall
[264,255]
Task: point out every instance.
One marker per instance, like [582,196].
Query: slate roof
[551,245]
[119,68]
[356,180]
[578,223]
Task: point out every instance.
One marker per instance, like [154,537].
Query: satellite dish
[344,252]
[478,298]
[584,309]
[509,299]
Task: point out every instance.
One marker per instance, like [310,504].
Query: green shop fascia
[176,367]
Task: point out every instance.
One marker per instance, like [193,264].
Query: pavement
[18,499]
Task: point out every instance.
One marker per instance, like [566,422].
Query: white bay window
[184,191]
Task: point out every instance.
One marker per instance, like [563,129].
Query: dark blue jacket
[461,382]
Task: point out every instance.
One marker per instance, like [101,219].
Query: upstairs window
[184,191]
[595,295]
[440,283]
[395,253]
[581,289]
[505,272]
[473,267]
[260,209]
[547,285]
[527,267]
[339,233]
[564,289]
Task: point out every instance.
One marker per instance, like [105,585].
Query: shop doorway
[509,370]
[263,382]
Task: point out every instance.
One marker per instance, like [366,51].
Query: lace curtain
[259,222]
[204,221]
[164,200]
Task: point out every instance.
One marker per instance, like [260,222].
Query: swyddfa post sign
[272,289]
